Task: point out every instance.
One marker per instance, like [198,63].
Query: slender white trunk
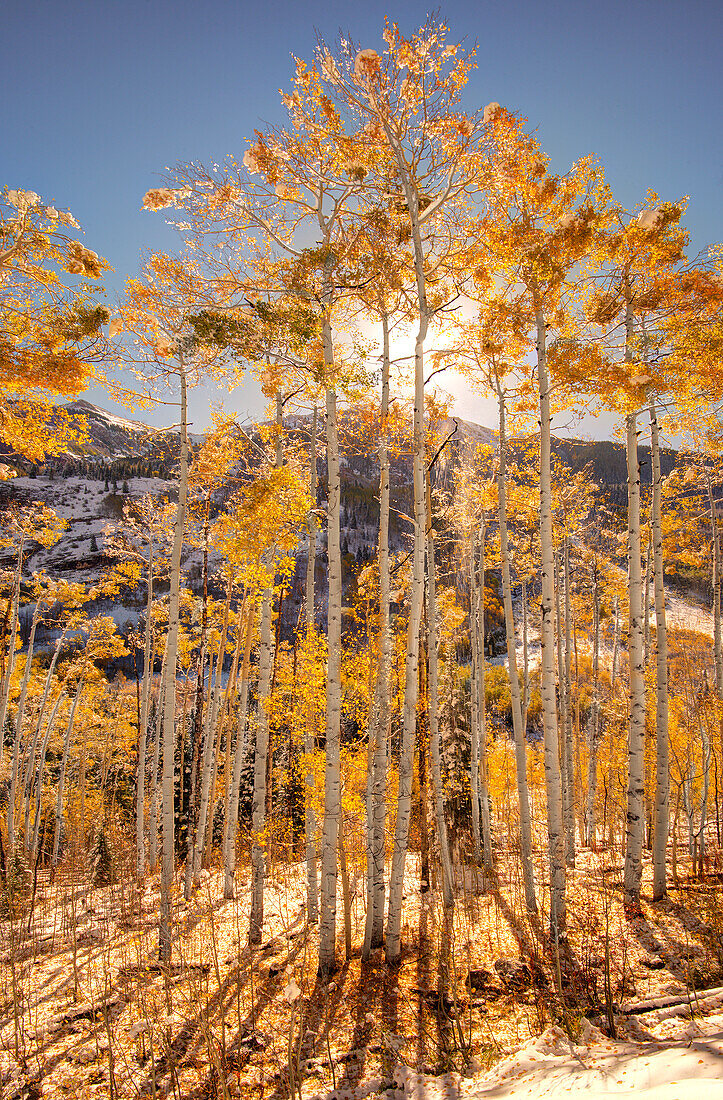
[553,783]
[379,732]
[525,656]
[153,813]
[416,593]
[593,720]
[662,773]
[484,794]
[229,849]
[528,874]
[433,703]
[14,606]
[312,876]
[416,599]
[19,732]
[706,759]
[717,644]
[32,845]
[210,756]
[261,752]
[143,728]
[474,602]
[258,811]
[646,602]
[29,776]
[169,700]
[616,645]
[635,819]
[332,773]
[567,808]
[61,777]
[568,742]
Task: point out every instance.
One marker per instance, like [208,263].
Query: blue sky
[100,95]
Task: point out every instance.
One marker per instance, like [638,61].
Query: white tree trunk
[261,752]
[379,731]
[553,783]
[474,612]
[143,730]
[15,606]
[568,741]
[19,733]
[32,845]
[616,645]
[484,794]
[212,738]
[61,777]
[416,592]
[153,812]
[258,812]
[662,773]
[29,776]
[332,774]
[636,728]
[169,700]
[528,874]
[433,703]
[416,599]
[312,875]
[717,644]
[593,720]
[229,848]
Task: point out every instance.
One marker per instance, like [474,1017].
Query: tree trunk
[662,774]
[153,815]
[547,673]
[32,845]
[229,848]
[593,720]
[568,742]
[29,777]
[528,874]
[312,876]
[636,735]
[484,787]
[15,606]
[433,705]
[61,777]
[332,773]
[416,597]
[143,725]
[19,732]
[474,602]
[258,813]
[169,700]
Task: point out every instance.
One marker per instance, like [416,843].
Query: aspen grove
[360,705]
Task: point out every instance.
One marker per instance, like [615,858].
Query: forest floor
[484,1008]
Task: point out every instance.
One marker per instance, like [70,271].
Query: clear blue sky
[100,95]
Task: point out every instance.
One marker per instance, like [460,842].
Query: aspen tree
[421,151]
[51,339]
[539,227]
[156,318]
[644,249]
[491,350]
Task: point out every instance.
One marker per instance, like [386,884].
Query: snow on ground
[687,1067]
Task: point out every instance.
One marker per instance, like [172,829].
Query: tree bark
[662,773]
[312,875]
[169,701]
[143,726]
[528,874]
[332,773]
[553,783]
